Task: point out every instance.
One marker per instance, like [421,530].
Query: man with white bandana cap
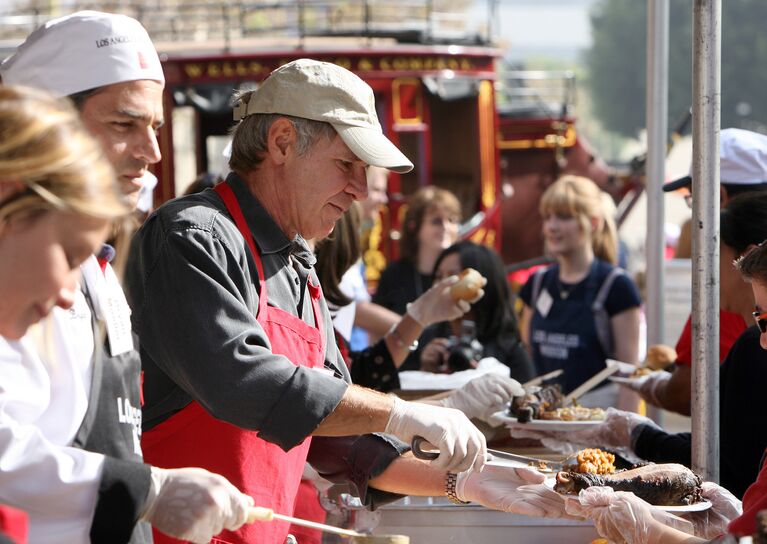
[82,387]
[252,384]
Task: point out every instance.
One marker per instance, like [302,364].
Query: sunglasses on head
[761,320]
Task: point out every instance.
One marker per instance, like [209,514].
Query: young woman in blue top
[563,329]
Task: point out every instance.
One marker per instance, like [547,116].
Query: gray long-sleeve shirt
[193,287]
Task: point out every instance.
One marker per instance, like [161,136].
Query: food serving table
[435,520]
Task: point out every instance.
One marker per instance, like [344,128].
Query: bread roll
[660,356]
[469,283]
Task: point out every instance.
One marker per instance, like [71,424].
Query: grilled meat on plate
[662,485]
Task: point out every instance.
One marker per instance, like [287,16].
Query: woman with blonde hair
[583,309]
[57,198]
[71,462]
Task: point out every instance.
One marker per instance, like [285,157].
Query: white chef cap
[83,51]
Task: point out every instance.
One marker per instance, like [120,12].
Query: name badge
[117,318]
[109,304]
[544,302]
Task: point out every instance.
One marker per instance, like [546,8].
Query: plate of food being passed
[543,409]
[659,358]
[668,486]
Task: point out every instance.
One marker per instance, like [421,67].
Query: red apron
[193,438]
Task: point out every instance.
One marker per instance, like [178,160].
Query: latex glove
[516,490]
[484,396]
[649,386]
[613,433]
[461,445]
[194,504]
[620,516]
[436,304]
[713,522]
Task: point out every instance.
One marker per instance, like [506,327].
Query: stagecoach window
[451,88]
[184,148]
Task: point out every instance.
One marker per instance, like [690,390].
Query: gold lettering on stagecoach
[193,70]
[400,64]
[344,63]
[365,65]
[251,68]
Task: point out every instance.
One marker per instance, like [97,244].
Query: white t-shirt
[353,286]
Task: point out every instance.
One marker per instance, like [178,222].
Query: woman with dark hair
[377,366]
[430,225]
[494,322]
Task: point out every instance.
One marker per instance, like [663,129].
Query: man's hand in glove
[437,304]
[620,516]
[517,490]
[713,522]
[484,396]
[649,386]
[613,433]
[194,504]
[461,445]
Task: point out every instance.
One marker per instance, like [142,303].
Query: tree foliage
[617,63]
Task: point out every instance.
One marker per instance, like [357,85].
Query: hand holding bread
[469,284]
[660,356]
[448,299]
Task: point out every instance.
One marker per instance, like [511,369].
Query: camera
[464,350]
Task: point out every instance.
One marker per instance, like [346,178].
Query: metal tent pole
[706,78]
[655,168]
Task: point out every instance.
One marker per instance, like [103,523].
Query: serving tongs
[258,513]
[540,379]
[422,449]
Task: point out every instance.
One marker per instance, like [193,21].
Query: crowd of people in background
[248,359]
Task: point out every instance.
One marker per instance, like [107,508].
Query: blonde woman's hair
[581,198]
[45,147]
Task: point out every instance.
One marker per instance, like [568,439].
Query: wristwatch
[398,339]
[450,480]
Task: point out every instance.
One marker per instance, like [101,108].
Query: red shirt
[754,501]
[14,524]
[731,326]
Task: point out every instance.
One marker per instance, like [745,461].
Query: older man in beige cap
[90,396]
[241,371]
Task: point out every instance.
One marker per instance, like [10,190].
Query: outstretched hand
[620,516]
[612,433]
[483,396]
[437,304]
[516,490]
[713,522]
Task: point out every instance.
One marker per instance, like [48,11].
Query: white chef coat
[45,382]
[55,484]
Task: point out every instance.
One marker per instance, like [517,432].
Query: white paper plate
[625,379]
[697,507]
[543,424]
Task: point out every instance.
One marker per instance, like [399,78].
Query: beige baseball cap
[322,91]
[83,51]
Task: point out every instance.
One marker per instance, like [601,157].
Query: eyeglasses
[761,320]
